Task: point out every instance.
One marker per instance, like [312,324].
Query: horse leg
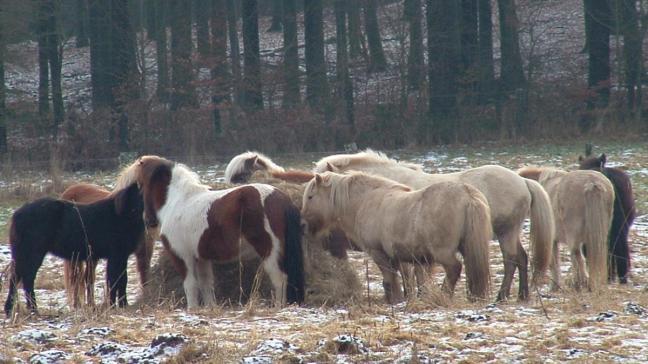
[622,254]
[406,271]
[117,280]
[11,297]
[90,274]
[190,285]
[523,269]
[278,278]
[509,247]
[555,267]
[143,255]
[578,264]
[205,274]
[388,267]
[422,271]
[452,268]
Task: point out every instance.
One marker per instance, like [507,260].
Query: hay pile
[329,280]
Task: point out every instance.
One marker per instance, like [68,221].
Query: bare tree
[377,61]
[182,92]
[597,20]
[344,87]
[443,58]
[252,95]
[291,95]
[486,64]
[415,60]
[201,11]
[3,90]
[219,71]
[316,82]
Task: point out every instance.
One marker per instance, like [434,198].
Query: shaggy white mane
[127,176]
[237,164]
[369,156]
[186,180]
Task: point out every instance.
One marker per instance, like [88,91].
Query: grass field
[551,327]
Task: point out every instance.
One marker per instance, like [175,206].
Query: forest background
[83,81]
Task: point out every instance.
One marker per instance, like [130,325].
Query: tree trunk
[54,57]
[219,69]
[486,64]
[291,55]
[235,52]
[277,16]
[3,91]
[512,80]
[100,47]
[377,61]
[252,94]
[355,32]
[316,81]
[125,77]
[597,13]
[469,40]
[344,87]
[443,58]
[201,10]
[182,92]
[43,62]
[415,60]
[161,9]
[632,52]
[81,24]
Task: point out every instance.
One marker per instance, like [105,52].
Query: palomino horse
[394,224]
[582,202]
[110,229]
[624,214]
[74,270]
[510,197]
[198,225]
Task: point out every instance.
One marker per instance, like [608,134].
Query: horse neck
[356,194]
[395,172]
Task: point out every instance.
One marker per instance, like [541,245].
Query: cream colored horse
[394,224]
[582,202]
[510,197]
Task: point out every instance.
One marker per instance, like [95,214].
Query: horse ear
[330,167]
[603,159]
[580,158]
[318,179]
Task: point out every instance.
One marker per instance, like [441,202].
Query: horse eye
[310,197]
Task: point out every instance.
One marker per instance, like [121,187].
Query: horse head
[129,203]
[317,209]
[593,163]
[153,177]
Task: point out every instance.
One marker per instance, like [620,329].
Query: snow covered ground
[551,327]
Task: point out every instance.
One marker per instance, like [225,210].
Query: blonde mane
[341,184]
[128,175]
[237,164]
[347,161]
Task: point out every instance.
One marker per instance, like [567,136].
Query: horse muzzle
[151,223]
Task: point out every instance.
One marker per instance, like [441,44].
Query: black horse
[107,229]
[624,214]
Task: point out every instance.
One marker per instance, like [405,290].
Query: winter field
[550,327]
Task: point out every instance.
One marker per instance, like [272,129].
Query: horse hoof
[623,280]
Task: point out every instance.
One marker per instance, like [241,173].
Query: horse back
[34,224]
[242,213]
[84,193]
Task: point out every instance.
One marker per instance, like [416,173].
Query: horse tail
[293,259]
[543,229]
[14,279]
[478,231]
[598,217]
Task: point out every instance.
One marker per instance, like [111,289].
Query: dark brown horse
[624,214]
[77,272]
[108,229]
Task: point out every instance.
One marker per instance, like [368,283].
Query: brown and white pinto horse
[78,271]
[198,225]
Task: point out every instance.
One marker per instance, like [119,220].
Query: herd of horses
[401,216]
